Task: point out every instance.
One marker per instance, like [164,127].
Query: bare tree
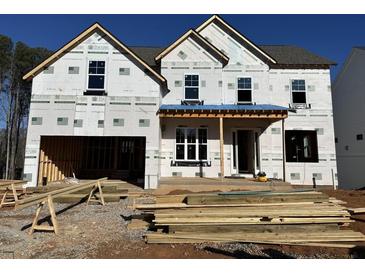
[15,94]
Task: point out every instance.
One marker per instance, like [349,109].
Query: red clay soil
[155,251]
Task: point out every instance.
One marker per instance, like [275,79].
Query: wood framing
[230,114]
[237,33]
[47,198]
[192,33]
[80,38]
[10,196]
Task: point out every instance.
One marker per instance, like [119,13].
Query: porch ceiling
[263,111]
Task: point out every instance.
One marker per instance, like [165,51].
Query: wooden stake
[35,220]
[53,214]
[14,193]
[97,186]
[54,226]
[3,199]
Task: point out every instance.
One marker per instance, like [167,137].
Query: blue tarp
[223,107]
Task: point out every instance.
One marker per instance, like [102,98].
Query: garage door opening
[91,158]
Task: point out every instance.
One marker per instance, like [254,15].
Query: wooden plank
[266,237]
[269,214]
[222,199]
[154,239]
[6,183]
[358,210]
[183,205]
[252,228]
[251,220]
[36,199]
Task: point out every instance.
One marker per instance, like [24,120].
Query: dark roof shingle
[283,54]
[293,55]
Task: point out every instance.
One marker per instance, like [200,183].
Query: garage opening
[91,158]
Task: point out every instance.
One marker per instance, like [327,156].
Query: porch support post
[221,140]
[283,145]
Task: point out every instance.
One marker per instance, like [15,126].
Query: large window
[301,146]
[191,144]
[244,90]
[298,92]
[191,87]
[96,75]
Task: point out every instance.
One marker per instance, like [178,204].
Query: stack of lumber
[111,192]
[293,217]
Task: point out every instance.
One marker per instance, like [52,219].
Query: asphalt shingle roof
[283,54]
[293,55]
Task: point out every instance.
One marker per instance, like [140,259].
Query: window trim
[184,87]
[237,89]
[186,145]
[298,91]
[88,74]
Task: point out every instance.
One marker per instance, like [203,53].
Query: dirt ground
[101,232]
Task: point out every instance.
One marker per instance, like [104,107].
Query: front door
[245,151]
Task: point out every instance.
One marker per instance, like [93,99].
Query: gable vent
[182,55]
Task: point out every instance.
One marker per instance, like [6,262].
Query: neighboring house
[349,112]
[211,104]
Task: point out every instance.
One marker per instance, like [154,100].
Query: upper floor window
[96,75]
[298,92]
[191,87]
[244,90]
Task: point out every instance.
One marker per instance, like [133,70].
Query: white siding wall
[270,86]
[138,93]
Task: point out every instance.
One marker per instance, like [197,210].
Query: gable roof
[198,38]
[239,37]
[80,38]
[284,54]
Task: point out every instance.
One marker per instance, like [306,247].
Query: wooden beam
[223,115]
[56,193]
[221,140]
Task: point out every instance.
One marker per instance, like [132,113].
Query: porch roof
[225,111]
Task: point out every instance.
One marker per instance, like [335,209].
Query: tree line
[16,58]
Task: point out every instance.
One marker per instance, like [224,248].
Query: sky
[331,36]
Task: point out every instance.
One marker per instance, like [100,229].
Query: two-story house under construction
[212,104]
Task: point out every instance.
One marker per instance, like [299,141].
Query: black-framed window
[191,144]
[96,75]
[244,90]
[301,146]
[191,87]
[298,92]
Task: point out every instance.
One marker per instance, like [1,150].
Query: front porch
[216,141]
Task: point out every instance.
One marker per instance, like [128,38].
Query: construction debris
[304,217]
